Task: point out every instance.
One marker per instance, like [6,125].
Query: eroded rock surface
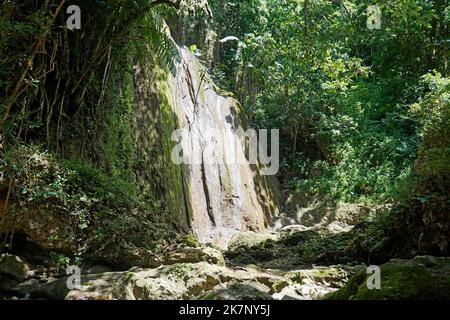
[208,276]
[207,279]
[228,195]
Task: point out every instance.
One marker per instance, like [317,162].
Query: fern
[160,41]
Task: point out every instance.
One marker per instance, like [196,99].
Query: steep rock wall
[153,124]
[226,193]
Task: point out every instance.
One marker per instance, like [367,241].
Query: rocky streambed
[207,279]
[256,267]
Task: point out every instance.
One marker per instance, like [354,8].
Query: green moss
[172,173]
[155,120]
[349,290]
[324,273]
[111,190]
[180,271]
[223,92]
[118,110]
[190,240]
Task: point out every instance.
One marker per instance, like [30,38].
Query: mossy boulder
[194,255]
[420,278]
[14,267]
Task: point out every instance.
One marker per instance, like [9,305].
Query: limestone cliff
[227,194]
[215,192]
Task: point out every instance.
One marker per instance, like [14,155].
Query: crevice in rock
[206,192]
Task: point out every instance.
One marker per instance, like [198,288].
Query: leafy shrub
[433,112]
[94,212]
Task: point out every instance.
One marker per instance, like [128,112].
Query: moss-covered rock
[299,249]
[248,239]
[421,278]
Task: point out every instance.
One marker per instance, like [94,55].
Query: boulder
[249,239]
[95,269]
[420,278]
[291,229]
[238,291]
[20,288]
[194,255]
[91,285]
[313,284]
[178,281]
[335,276]
[14,267]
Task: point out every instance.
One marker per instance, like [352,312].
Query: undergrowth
[97,211]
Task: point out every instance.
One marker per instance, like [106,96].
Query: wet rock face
[420,278]
[227,195]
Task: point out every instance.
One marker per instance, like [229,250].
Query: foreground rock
[313,284]
[201,280]
[238,291]
[178,281]
[193,255]
[424,277]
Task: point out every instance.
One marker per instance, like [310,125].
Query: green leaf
[193,48]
